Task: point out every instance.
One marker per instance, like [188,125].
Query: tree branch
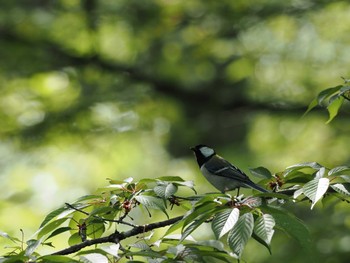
[116,237]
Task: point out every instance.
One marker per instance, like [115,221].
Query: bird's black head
[202,153]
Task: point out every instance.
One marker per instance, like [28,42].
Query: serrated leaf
[334,107]
[291,225]
[320,173]
[261,172]
[339,169]
[315,189]
[342,188]
[313,165]
[264,228]
[94,258]
[152,202]
[224,221]
[240,234]
[165,191]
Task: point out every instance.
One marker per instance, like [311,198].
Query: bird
[220,173]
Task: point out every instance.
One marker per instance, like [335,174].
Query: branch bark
[116,237]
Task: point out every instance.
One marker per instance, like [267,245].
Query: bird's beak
[192,148]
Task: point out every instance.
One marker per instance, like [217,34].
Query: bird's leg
[237,192]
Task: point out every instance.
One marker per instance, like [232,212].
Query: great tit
[219,172]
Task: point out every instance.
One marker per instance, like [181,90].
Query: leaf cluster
[105,219]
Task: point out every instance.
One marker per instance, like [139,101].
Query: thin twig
[101,218]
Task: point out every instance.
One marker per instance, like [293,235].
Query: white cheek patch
[206,151]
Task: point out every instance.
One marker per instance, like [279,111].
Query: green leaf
[74,239]
[264,228]
[198,211]
[324,94]
[52,215]
[50,227]
[152,202]
[195,224]
[224,221]
[95,230]
[342,188]
[58,231]
[166,190]
[312,105]
[291,225]
[56,259]
[315,189]
[240,234]
[261,172]
[334,107]
[171,178]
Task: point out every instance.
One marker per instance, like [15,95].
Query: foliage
[331,98]
[105,219]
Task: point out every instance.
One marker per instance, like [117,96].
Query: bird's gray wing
[221,167]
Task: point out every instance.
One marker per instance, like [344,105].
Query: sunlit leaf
[224,221]
[264,227]
[240,234]
[165,191]
[94,258]
[334,107]
[315,189]
[339,170]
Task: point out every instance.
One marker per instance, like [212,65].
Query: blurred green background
[96,89]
